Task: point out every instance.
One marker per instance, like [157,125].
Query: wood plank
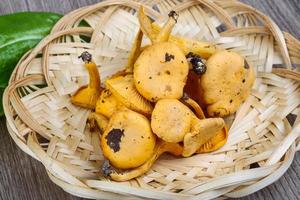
[22,177]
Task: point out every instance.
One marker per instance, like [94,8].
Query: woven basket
[263,137]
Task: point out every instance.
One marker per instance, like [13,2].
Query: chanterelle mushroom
[220,137]
[87,96]
[107,103]
[161,69]
[128,141]
[99,120]
[215,142]
[123,89]
[135,51]
[201,132]
[226,83]
[173,122]
[160,148]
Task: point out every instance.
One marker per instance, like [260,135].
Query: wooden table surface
[22,177]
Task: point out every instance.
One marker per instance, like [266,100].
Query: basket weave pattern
[261,144]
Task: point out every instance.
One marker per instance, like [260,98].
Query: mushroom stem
[87,96]
[135,51]
[92,70]
[203,49]
[161,147]
[94,81]
[165,32]
[198,110]
[215,142]
[99,119]
[202,131]
[220,137]
[145,24]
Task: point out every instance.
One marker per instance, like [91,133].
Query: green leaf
[19,33]
[1,107]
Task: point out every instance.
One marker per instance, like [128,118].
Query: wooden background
[22,177]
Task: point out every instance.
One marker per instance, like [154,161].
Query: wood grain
[22,177]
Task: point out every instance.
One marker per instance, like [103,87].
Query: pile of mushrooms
[152,107]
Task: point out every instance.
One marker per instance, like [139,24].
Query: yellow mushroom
[107,103]
[174,122]
[135,51]
[193,88]
[124,91]
[201,132]
[161,69]
[171,120]
[195,106]
[160,148]
[128,141]
[146,24]
[100,120]
[226,83]
[160,72]
[203,49]
[216,141]
[152,30]
[87,96]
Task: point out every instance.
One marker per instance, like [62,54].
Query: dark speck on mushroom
[168,72]
[139,82]
[150,77]
[102,101]
[244,80]
[113,139]
[246,65]
[169,57]
[231,101]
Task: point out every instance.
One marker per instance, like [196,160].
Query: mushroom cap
[107,104]
[202,131]
[215,142]
[122,87]
[161,71]
[128,141]
[171,120]
[160,148]
[226,83]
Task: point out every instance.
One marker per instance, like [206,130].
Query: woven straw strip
[261,143]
